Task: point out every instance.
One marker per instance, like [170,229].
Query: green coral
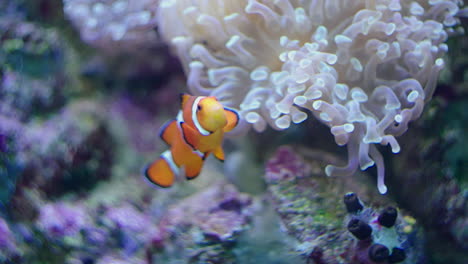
[311,215]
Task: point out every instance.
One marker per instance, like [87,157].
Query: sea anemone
[363,68]
[119,24]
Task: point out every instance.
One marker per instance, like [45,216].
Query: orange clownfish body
[197,132]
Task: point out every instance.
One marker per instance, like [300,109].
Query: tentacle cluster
[114,24]
[365,68]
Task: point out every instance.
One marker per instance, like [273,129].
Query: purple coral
[96,236]
[7,243]
[136,228]
[60,219]
[127,217]
[286,165]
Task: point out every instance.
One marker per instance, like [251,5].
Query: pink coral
[220,212]
[286,165]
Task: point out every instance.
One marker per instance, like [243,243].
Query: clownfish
[197,132]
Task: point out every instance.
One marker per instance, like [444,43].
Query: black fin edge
[235,112]
[185,138]
[145,172]
[163,128]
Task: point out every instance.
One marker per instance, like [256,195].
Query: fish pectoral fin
[219,153]
[160,173]
[190,135]
[169,132]
[232,119]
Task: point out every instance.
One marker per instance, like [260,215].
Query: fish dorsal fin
[184,99]
[169,132]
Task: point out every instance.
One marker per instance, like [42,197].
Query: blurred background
[82,97]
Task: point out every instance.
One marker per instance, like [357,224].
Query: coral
[30,144]
[58,220]
[31,87]
[207,223]
[135,229]
[32,50]
[76,231]
[120,24]
[22,95]
[72,146]
[382,235]
[365,68]
[220,212]
[307,204]
[119,260]
[9,170]
[7,242]
[126,217]
[31,73]
[286,165]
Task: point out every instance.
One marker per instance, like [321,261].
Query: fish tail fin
[162,172]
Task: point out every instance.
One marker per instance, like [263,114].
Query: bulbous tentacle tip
[382,188]
[388,216]
[398,255]
[378,253]
[352,203]
[359,229]
[329,170]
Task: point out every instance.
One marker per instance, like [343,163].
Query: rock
[68,153]
[433,172]
[207,224]
[8,246]
[58,220]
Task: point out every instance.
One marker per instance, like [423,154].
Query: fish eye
[199,107]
